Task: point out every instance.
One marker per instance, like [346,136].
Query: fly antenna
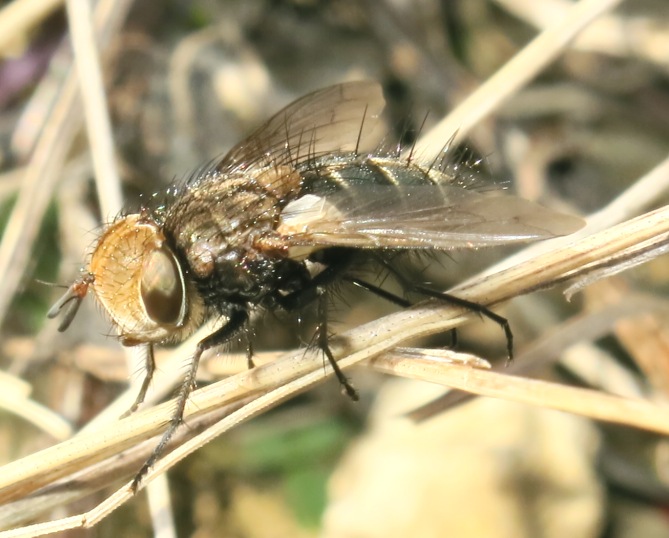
[51,284]
[70,302]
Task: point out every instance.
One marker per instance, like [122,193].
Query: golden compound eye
[162,288]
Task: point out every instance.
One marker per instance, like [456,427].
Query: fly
[279,218]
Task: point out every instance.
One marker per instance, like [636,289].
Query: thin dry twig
[160,508]
[593,404]
[108,187]
[522,68]
[44,168]
[614,35]
[98,124]
[19,16]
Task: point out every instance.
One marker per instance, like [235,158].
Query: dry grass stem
[593,404]
[20,16]
[98,125]
[522,68]
[613,34]
[44,169]
[36,191]
[160,508]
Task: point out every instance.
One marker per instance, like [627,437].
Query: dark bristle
[362,126]
[415,139]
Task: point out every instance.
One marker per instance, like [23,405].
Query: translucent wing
[423,216]
[344,117]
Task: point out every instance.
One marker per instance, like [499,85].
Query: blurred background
[185,81]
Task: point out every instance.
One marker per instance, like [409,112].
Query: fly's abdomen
[335,173]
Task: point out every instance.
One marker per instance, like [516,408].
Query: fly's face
[139,281]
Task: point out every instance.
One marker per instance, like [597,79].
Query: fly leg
[380,292]
[315,289]
[248,334]
[150,364]
[236,322]
[474,307]
[391,297]
[457,301]
[322,341]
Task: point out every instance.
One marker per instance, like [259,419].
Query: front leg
[220,336]
[150,364]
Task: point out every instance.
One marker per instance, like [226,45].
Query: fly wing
[339,118]
[424,217]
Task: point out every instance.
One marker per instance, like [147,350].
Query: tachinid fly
[281,216]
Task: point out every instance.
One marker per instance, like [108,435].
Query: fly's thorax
[216,225]
[141,284]
[280,181]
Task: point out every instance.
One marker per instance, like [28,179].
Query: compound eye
[162,288]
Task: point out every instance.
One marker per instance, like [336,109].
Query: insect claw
[349,390]
[136,483]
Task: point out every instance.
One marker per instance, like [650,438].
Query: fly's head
[139,281]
